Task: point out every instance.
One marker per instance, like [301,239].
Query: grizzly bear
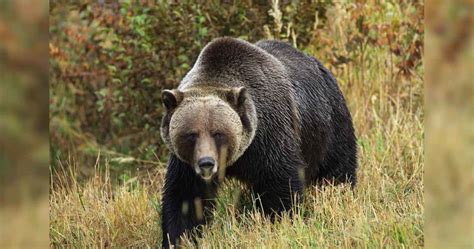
[266,114]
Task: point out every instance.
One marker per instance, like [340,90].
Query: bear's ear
[237,96]
[171,98]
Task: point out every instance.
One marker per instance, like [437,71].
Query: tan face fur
[205,130]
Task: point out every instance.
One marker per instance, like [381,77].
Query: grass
[99,213]
[384,210]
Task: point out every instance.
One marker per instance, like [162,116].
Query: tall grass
[99,213]
[384,210]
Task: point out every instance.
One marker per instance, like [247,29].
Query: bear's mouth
[206,173]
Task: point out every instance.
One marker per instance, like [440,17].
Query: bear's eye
[219,136]
[190,137]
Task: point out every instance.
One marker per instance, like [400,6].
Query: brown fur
[203,112]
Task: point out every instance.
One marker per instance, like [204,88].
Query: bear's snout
[206,167]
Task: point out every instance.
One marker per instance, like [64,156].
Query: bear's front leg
[185,198]
[278,193]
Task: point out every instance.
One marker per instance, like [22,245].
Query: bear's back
[230,62]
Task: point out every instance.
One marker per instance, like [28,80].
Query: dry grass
[385,209]
[100,213]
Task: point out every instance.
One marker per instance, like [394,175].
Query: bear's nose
[206,162]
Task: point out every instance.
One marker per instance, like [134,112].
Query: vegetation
[24,150]
[109,62]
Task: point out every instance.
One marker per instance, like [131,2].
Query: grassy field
[384,210]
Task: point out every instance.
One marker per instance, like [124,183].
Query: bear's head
[208,128]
